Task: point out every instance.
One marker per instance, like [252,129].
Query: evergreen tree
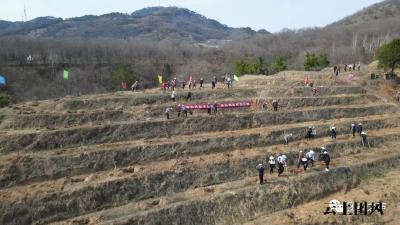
[124,74]
[323,61]
[389,55]
[311,61]
[278,65]
[241,67]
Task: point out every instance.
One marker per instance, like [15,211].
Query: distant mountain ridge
[385,10]
[154,23]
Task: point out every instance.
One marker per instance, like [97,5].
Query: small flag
[160,79]
[236,78]
[3,80]
[66,75]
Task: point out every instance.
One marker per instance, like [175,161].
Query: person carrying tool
[364,139]
[286,138]
[168,111]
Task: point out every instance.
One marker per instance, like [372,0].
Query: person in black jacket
[353,129]
[304,163]
[333,132]
[275,105]
[281,164]
[309,133]
[189,97]
[324,156]
[360,128]
[260,169]
[215,107]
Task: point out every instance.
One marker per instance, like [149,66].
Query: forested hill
[155,23]
[384,11]
[174,42]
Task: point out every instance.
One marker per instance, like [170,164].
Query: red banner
[228,105]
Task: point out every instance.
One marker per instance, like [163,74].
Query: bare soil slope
[116,159]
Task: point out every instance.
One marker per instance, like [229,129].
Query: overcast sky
[272,15]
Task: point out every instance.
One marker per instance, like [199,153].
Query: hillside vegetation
[173,42]
[149,24]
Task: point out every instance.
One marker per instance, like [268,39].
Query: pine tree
[278,64]
[389,55]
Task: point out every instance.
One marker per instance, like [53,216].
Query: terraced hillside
[116,159]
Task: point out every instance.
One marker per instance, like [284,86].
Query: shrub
[5,100]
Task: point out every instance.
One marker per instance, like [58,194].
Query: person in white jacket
[271,163]
[310,156]
[173,96]
[281,164]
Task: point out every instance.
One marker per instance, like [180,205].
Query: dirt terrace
[115,159]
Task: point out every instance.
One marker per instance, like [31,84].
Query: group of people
[312,132]
[263,105]
[173,84]
[188,96]
[359,129]
[212,109]
[356,129]
[226,80]
[351,67]
[304,159]
[181,110]
[281,160]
